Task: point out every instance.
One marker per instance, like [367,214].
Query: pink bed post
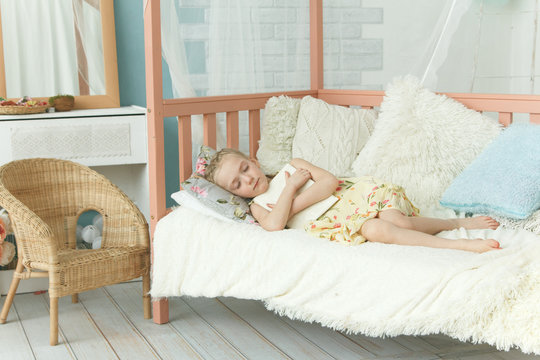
[156,156]
[506,105]
[316,44]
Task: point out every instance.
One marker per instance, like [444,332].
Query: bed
[503,321]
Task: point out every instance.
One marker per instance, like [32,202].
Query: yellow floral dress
[360,199]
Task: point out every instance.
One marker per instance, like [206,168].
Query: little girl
[367,209]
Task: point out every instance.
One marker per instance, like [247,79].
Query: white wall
[494,48]
[368,42]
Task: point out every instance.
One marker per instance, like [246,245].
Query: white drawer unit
[91,137]
[111,141]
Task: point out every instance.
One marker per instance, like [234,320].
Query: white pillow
[278,128]
[184,198]
[331,136]
[422,140]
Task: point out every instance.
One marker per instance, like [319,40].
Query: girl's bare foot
[477,222]
[479,245]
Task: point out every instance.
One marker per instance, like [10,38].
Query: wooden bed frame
[208,107]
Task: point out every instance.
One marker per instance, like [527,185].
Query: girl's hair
[216,161]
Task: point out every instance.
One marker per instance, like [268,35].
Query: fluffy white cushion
[278,128]
[331,136]
[422,140]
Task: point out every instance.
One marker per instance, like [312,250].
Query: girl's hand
[298,178]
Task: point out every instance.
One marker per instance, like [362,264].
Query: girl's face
[240,176]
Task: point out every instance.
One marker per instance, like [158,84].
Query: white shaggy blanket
[374,289]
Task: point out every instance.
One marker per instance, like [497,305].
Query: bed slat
[210,130]
[184,146]
[254,131]
[505,118]
[232,130]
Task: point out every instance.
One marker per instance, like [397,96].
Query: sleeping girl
[367,209]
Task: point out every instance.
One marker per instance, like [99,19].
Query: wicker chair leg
[12,290]
[147,303]
[53,339]
[74,298]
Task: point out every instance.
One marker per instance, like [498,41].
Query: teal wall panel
[131,77]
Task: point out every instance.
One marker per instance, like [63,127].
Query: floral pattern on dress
[360,199]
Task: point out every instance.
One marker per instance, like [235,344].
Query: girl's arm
[278,217]
[325,184]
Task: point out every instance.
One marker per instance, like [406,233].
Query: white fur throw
[331,136]
[375,289]
[278,128]
[423,140]
[532,223]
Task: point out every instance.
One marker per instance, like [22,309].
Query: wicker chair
[44,198]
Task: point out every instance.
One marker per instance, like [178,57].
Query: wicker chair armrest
[35,239]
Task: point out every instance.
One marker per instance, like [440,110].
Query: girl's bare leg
[434,226]
[379,230]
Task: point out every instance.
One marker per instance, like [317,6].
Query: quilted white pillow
[278,128]
[331,136]
[423,140]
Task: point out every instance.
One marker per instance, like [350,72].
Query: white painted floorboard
[108,323]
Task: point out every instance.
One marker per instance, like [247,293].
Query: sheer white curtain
[87,21]
[174,53]
[483,46]
[494,49]
[28,71]
[255,46]
[251,46]
[40,47]
[173,50]
[443,33]
[235,58]
[367,46]
[248,50]
[452,45]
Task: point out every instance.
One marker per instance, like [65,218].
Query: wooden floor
[108,324]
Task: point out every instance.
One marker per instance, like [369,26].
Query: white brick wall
[284,31]
[356,33]
[270,15]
